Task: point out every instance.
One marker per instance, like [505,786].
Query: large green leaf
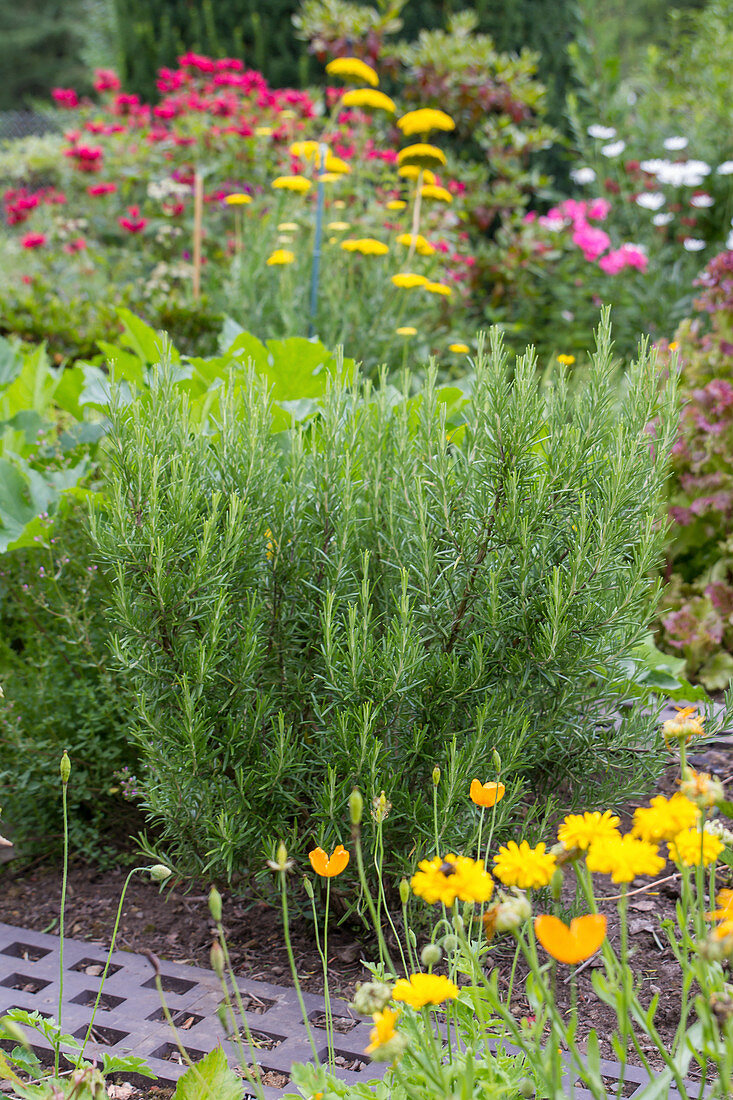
[26,493]
[211,1079]
[145,341]
[10,363]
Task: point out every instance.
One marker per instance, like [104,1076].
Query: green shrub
[411,578]
[60,694]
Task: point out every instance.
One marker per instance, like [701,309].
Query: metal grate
[130,1018]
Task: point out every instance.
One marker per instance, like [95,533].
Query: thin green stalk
[293,968]
[108,962]
[240,1005]
[64,883]
[177,1038]
[384,955]
[378,865]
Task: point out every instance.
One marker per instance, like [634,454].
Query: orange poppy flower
[486,794]
[572,944]
[329,866]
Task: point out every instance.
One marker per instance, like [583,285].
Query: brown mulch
[176,925]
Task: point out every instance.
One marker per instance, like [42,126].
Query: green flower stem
[378,864]
[254,1079]
[410,953]
[323,952]
[176,1036]
[109,960]
[293,968]
[384,955]
[64,883]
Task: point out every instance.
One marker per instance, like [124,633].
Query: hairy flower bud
[356,806]
[215,903]
[450,943]
[281,862]
[703,789]
[216,958]
[371,997]
[404,891]
[526,1088]
[65,768]
[380,808]
[436,775]
[556,884]
[308,887]
[390,1051]
[512,913]
[223,1013]
[497,761]
[159,872]
[430,955]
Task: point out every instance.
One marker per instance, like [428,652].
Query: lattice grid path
[130,1018]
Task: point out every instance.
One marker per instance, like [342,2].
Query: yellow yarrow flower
[424,120]
[353,68]
[396,204]
[439,288]
[336,166]
[367,246]
[566,360]
[582,830]
[292,183]
[338,227]
[308,150]
[664,818]
[331,177]
[433,191]
[422,246]
[454,877]
[525,867]
[280,257]
[421,156]
[411,172]
[368,99]
[406,330]
[420,990]
[263,131]
[691,847]
[239,199]
[459,349]
[288,227]
[624,857]
[408,280]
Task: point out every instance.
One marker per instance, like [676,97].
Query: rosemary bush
[413,577]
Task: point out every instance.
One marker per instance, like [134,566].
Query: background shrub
[60,694]
[413,577]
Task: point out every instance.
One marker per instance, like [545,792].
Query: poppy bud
[215,903]
[497,760]
[404,891]
[556,885]
[223,1015]
[436,775]
[430,955]
[371,997]
[65,768]
[526,1088]
[356,806]
[216,958]
[308,886]
[450,943]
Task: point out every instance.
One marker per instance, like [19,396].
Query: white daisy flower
[582,175]
[650,200]
[726,168]
[702,201]
[693,244]
[613,150]
[603,133]
[674,144]
[662,219]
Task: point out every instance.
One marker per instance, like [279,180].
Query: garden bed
[177,926]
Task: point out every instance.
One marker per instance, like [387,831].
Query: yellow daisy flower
[406,330]
[238,200]
[581,830]
[459,349]
[525,867]
[439,288]
[411,172]
[450,878]
[692,847]
[383,1030]
[664,818]
[624,857]
[420,990]
[566,360]
[396,204]
[422,246]
[367,246]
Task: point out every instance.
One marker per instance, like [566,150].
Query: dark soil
[176,925]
